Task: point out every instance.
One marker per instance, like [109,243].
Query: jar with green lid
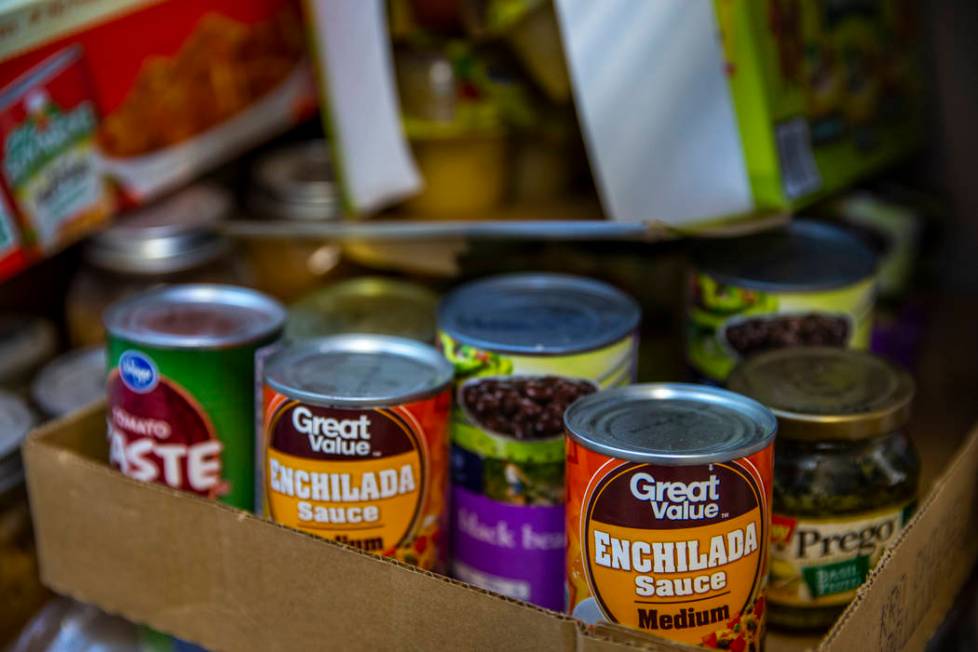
[845,474]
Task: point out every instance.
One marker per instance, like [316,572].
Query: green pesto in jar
[845,474]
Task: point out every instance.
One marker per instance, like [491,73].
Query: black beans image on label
[766,333]
[523,407]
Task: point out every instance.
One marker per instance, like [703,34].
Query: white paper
[353,53]
[655,108]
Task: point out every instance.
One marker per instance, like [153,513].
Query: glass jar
[369,304]
[845,474]
[174,240]
[20,585]
[293,184]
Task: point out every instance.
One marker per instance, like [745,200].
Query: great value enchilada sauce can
[181,386]
[355,439]
[524,347]
[807,284]
[669,512]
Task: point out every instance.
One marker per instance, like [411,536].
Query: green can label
[184,418]
[726,323]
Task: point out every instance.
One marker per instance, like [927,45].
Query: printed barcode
[799,173]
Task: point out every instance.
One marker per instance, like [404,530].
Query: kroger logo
[138,372]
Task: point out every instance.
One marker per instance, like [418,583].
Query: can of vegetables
[355,443]
[808,284]
[524,348]
[669,512]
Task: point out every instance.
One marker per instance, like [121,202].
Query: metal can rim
[805,426]
[763,418]
[541,280]
[362,343]
[199,293]
[705,260]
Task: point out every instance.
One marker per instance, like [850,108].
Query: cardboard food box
[105,104]
[228,580]
[721,107]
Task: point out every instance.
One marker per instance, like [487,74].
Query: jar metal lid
[296,183]
[673,424]
[350,371]
[365,305]
[804,256]
[176,233]
[195,316]
[827,393]
[538,314]
[70,382]
[16,420]
[26,343]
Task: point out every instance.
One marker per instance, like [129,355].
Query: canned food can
[355,437]
[181,386]
[808,284]
[70,382]
[669,512]
[524,347]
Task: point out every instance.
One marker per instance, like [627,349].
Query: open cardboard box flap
[227,580]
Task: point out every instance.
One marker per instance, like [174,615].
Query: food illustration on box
[223,67]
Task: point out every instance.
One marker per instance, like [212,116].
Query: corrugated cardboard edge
[922,572]
[225,579]
[214,575]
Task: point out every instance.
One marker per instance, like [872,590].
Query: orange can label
[676,551]
[373,478]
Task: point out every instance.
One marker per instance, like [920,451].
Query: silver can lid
[16,420]
[196,316]
[176,233]
[672,424]
[70,382]
[26,343]
[296,183]
[358,371]
[538,314]
[804,256]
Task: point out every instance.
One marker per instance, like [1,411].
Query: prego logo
[138,372]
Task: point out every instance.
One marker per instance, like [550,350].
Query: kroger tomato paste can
[355,438]
[181,386]
[669,512]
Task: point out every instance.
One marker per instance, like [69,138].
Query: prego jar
[845,479]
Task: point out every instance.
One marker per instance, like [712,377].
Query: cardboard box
[231,581]
[721,107]
[105,104]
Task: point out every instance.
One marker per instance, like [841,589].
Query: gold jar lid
[821,393]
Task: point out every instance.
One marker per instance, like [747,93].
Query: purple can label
[514,550]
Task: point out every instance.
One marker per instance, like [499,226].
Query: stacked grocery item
[518,456]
